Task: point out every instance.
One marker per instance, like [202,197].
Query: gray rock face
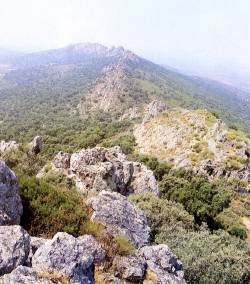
[120,217]
[14,247]
[153,109]
[130,268]
[24,275]
[10,202]
[67,256]
[35,243]
[62,160]
[8,146]
[36,145]
[100,169]
[92,247]
[163,264]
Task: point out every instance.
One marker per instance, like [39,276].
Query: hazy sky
[184,32]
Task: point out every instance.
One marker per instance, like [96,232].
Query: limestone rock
[153,109]
[24,275]
[35,243]
[62,160]
[92,247]
[120,217]
[10,202]
[131,268]
[36,145]
[8,146]
[163,264]
[67,256]
[14,247]
[97,169]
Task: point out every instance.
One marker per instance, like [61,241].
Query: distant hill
[59,88]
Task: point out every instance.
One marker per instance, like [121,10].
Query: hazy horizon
[209,38]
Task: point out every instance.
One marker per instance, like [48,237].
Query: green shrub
[209,258]
[126,142]
[49,209]
[123,246]
[163,213]
[238,231]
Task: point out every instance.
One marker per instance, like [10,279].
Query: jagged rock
[163,264]
[67,256]
[8,146]
[10,202]
[35,243]
[36,145]
[92,247]
[62,160]
[131,268]
[14,247]
[130,114]
[24,275]
[120,217]
[100,169]
[153,109]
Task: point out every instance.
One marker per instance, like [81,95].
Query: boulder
[131,268]
[62,160]
[8,146]
[97,169]
[14,247]
[35,243]
[92,247]
[10,202]
[24,275]
[120,217]
[36,145]
[162,264]
[153,109]
[67,256]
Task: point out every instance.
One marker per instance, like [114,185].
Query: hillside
[60,88]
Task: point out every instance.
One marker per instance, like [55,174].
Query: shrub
[126,142]
[210,258]
[123,246]
[163,213]
[49,209]
[238,231]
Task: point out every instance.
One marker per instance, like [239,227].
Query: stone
[62,160]
[35,243]
[66,255]
[131,268]
[11,207]
[36,145]
[120,217]
[14,247]
[153,109]
[162,263]
[8,146]
[24,275]
[97,169]
[92,247]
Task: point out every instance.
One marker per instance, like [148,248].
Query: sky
[199,35]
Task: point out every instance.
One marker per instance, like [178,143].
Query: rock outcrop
[14,247]
[153,109]
[97,169]
[8,146]
[68,256]
[36,145]
[25,275]
[197,140]
[10,202]
[120,217]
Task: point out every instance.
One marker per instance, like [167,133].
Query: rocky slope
[194,140]
[67,259]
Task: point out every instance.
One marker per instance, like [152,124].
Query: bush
[209,258]
[126,142]
[163,213]
[199,197]
[238,231]
[123,246]
[49,209]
